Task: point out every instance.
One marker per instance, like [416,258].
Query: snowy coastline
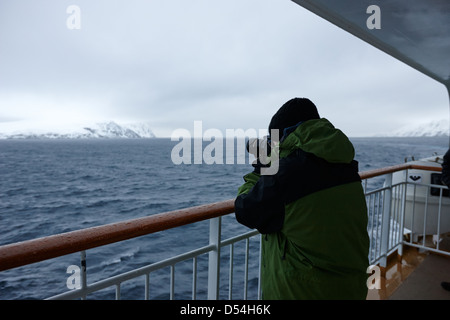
[110,129]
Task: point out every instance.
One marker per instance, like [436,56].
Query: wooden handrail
[382,171]
[31,251]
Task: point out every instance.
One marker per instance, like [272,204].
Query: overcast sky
[230,64]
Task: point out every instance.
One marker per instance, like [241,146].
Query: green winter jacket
[313,217]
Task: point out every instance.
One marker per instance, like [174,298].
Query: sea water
[54,186]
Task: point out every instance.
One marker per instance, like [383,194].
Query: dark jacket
[313,215]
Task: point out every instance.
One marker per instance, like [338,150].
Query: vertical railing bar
[230,277]
[397,215]
[393,221]
[425,216]
[374,225]
[380,221]
[147,286]
[404,199]
[439,218]
[260,266]
[391,240]
[172,281]
[386,220]
[83,272]
[247,242]
[392,218]
[413,213]
[395,224]
[194,278]
[215,230]
[372,209]
[379,217]
[369,224]
[373,246]
[402,217]
[118,291]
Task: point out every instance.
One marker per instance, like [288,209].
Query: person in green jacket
[311,213]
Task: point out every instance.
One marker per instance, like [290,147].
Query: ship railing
[388,207]
[27,252]
[386,211]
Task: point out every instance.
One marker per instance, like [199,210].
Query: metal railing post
[215,230]
[403,213]
[83,273]
[260,266]
[386,220]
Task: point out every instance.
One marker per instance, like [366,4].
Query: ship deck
[416,275]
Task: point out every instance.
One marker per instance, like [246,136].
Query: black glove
[257,165]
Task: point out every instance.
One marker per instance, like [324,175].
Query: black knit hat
[293,112]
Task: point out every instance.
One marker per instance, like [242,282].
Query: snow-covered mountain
[110,129]
[431,129]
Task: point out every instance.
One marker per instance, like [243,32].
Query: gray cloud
[230,64]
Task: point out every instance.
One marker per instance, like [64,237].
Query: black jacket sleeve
[263,207]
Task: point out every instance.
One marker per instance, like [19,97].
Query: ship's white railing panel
[387,204]
[385,209]
[214,265]
[390,205]
[430,222]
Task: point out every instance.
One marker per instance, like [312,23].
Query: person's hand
[257,165]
